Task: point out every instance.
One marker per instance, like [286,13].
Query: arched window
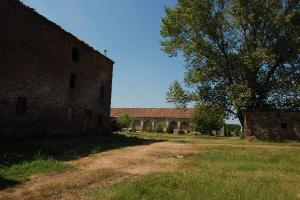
[75,54]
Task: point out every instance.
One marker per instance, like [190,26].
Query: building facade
[148,119]
[51,82]
[272,125]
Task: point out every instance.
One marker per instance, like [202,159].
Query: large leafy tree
[241,55]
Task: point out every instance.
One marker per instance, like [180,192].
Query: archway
[185,127]
[172,126]
[147,126]
[160,126]
[136,125]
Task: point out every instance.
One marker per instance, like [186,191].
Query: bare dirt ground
[102,170]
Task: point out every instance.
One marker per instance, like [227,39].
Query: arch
[147,126]
[160,126]
[136,125]
[171,127]
[185,127]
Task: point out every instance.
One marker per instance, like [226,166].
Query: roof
[60,28]
[173,113]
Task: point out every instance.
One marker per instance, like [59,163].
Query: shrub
[159,128]
[125,120]
[231,129]
[170,129]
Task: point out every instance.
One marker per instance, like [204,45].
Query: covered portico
[148,119]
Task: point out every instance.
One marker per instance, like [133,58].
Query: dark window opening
[75,55]
[21,106]
[284,126]
[100,120]
[72,81]
[102,91]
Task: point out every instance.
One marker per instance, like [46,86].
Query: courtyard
[152,166]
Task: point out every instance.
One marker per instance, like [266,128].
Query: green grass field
[219,168]
[224,168]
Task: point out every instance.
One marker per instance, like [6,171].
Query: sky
[130,32]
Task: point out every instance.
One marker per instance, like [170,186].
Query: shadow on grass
[6,183]
[12,153]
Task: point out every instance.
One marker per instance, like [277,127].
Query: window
[100,120]
[21,106]
[284,126]
[75,54]
[102,91]
[72,81]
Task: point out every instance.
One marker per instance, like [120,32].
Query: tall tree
[241,55]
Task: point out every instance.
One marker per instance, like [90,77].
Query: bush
[170,129]
[125,120]
[159,128]
[232,129]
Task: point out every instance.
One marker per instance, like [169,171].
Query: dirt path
[102,170]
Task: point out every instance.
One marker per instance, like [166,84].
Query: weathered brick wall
[36,63]
[272,125]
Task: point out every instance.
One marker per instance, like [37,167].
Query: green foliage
[159,128]
[177,95]
[207,119]
[232,129]
[240,55]
[125,120]
[170,129]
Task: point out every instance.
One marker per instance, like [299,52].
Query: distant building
[51,82]
[272,125]
[148,119]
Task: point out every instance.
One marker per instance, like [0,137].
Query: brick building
[272,125]
[51,82]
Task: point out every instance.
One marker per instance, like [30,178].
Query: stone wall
[272,125]
[51,82]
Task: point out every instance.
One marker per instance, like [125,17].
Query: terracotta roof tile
[153,112]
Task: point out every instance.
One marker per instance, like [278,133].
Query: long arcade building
[147,119]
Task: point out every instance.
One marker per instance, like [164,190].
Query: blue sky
[130,31]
